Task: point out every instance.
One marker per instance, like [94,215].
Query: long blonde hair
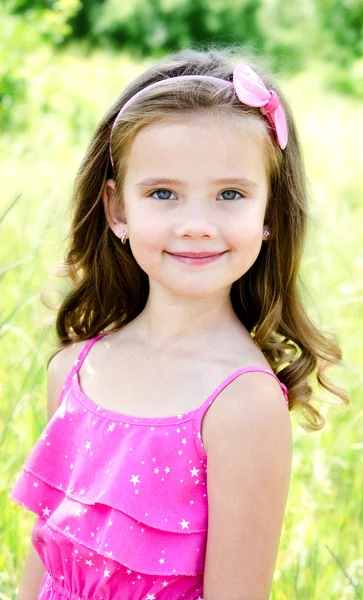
[108,287]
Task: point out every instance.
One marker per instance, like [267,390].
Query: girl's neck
[179,324]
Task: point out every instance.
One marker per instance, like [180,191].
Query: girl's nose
[195,222]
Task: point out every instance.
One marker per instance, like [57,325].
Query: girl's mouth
[192,258]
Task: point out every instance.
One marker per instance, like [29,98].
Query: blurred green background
[62,64]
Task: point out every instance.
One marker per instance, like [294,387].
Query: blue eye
[165,195]
[163,192]
[229,197]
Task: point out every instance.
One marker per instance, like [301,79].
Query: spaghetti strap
[228,380]
[255,369]
[78,363]
[82,355]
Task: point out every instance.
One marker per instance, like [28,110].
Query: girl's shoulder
[59,368]
[62,362]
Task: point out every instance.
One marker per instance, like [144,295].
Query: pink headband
[249,89]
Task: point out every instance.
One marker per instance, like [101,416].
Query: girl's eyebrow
[151,181]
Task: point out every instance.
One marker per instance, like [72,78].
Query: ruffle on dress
[134,493]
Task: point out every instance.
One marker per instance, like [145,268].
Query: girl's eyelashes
[164,194]
[232,192]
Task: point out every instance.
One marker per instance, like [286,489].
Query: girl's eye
[163,194]
[229,195]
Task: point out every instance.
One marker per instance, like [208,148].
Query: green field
[321,549]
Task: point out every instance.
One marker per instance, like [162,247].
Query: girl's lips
[196,254]
[194,260]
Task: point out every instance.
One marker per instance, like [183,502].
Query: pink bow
[251,90]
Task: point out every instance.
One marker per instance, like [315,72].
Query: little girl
[163,473]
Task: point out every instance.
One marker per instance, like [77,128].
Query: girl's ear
[115,214]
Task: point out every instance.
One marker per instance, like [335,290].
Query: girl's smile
[192,258]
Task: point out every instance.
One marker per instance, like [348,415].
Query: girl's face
[193,186]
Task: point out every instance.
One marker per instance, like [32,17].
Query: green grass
[321,549]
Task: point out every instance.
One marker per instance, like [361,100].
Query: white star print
[43,436]
[46,511]
[35,484]
[150,597]
[134,479]
[184,524]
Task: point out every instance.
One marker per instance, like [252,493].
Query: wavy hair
[108,287]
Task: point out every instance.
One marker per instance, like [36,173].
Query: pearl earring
[266,233]
[123,237]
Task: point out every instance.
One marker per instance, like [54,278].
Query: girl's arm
[59,367]
[32,575]
[248,476]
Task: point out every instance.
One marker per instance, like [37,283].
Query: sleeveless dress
[121,501]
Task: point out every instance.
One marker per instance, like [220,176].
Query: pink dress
[122,501]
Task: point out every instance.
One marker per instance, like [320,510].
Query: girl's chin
[193,289]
